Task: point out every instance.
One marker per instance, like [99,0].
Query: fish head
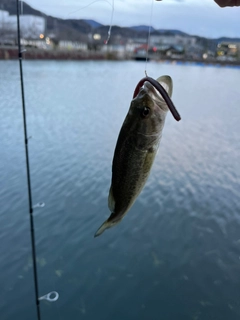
[148,109]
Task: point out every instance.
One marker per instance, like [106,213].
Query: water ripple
[177,250]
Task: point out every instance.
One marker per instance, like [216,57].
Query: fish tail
[102,228]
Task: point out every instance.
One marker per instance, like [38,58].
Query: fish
[136,148]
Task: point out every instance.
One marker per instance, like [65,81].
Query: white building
[172,40]
[31,26]
[72,45]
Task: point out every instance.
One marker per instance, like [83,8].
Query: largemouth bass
[136,148]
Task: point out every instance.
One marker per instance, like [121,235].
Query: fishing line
[148,39]
[21,7]
[88,5]
[111,22]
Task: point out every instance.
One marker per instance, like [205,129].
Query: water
[176,255]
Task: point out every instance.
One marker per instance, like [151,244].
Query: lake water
[176,255]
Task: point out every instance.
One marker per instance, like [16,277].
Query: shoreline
[11,53]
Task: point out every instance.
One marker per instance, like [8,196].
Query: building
[228,50]
[31,26]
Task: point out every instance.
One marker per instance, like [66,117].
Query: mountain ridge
[76,29]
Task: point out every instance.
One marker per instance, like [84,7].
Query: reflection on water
[176,254]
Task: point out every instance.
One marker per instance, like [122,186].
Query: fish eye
[145,111]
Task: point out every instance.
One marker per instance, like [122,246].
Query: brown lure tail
[162,91]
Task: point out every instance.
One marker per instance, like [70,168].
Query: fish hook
[162,91]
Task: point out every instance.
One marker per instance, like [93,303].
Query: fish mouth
[149,94]
[159,85]
[152,92]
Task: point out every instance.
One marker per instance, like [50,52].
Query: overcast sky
[197,17]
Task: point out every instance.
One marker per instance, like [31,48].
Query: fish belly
[130,170]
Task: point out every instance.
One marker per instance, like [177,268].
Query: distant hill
[172,32]
[142,28]
[226,39]
[71,29]
[10,6]
[79,29]
[94,24]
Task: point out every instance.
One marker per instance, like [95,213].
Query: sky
[195,17]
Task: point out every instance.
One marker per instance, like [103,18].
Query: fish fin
[106,224]
[166,82]
[111,201]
